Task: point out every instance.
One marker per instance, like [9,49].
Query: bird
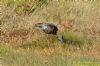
[49,28]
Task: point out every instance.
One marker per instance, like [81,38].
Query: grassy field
[11,56]
[23,45]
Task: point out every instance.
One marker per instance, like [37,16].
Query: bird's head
[38,25]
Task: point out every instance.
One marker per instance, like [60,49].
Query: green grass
[11,56]
[71,38]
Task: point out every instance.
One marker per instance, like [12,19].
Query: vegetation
[22,45]
[18,57]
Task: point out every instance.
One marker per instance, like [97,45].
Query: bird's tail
[61,38]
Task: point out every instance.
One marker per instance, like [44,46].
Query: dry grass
[77,20]
[12,56]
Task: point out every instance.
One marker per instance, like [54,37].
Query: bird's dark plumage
[49,28]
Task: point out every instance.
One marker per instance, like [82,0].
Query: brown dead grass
[84,21]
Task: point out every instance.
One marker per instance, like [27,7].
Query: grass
[71,38]
[11,56]
[22,45]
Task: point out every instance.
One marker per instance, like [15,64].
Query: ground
[23,45]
